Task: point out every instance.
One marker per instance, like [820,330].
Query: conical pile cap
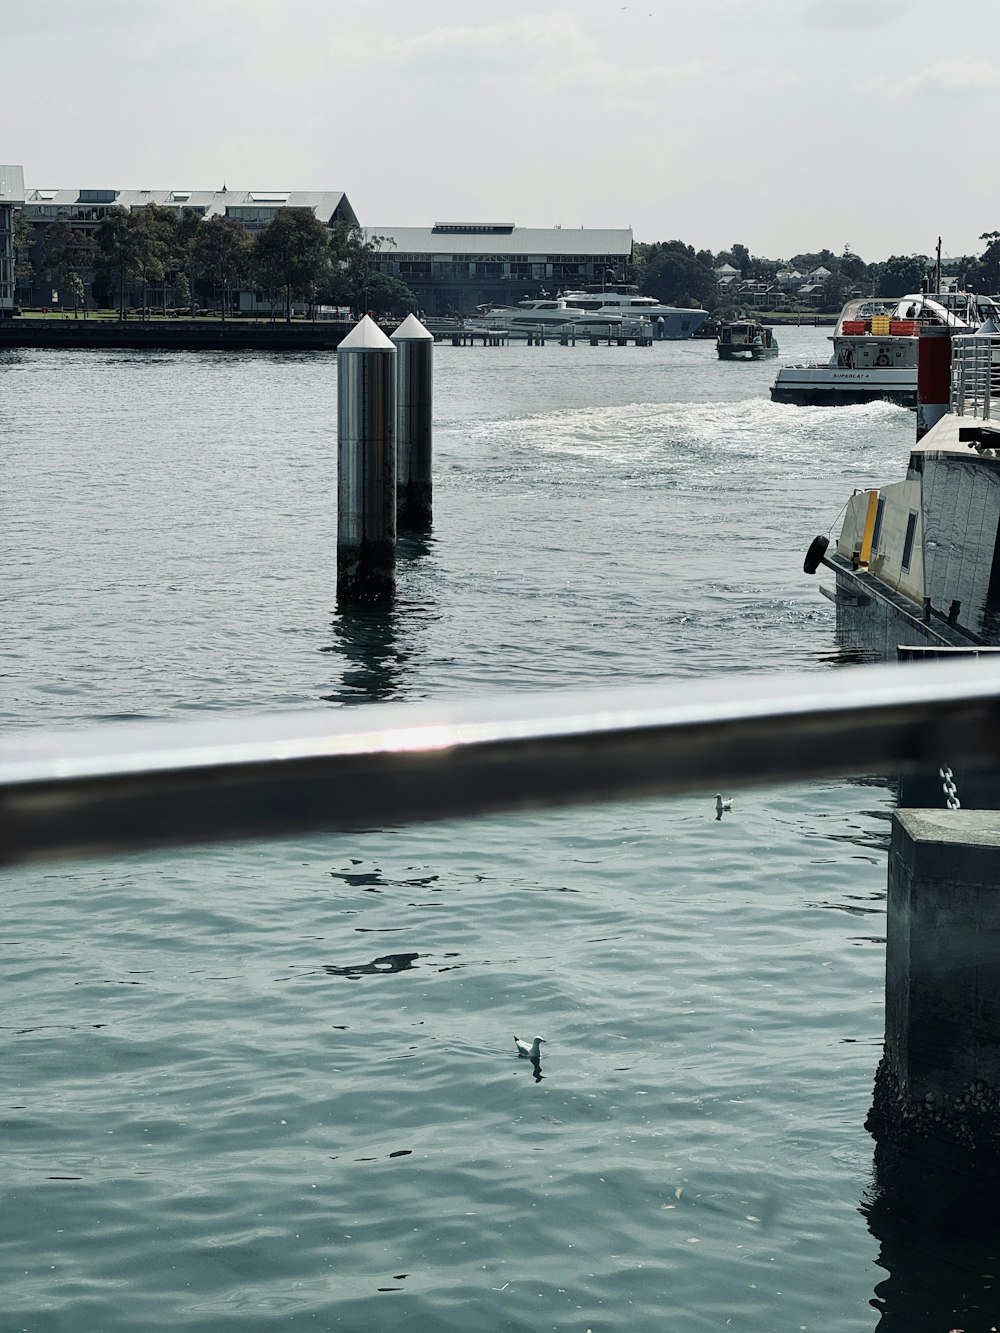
[366,336]
[411,330]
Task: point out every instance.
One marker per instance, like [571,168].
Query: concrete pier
[937,1089]
[366,466]
[414,424]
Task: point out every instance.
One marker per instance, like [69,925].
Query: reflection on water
[939,1244]
[366,644]
[374,881]
[388,963]
[376,647]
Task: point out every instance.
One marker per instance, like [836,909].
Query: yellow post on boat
[866,540]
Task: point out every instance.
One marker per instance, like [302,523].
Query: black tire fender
[814,556]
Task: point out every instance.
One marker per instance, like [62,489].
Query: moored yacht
[547,313]
[875,344]
[677,321]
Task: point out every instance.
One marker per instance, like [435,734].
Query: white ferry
[875,345]
[917,561]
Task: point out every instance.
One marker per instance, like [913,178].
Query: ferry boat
[917,561]
[745,340]
[875,344]
[678,322]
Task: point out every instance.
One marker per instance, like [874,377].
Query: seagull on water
[529,1050]
[722,807]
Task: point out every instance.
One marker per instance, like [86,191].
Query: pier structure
[414,424]
[366,466]
[936,1107]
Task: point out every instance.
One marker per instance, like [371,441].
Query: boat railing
[975,375]
[128,786]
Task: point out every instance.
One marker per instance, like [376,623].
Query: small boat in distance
[745,340]
[875,346]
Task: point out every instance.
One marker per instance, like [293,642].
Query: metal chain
[950,790]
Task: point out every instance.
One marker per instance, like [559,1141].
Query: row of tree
[294,258]
[680,275]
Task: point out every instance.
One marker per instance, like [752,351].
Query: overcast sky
[785,124]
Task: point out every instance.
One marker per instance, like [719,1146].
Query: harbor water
[275,1085]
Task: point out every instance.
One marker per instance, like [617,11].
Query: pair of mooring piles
[384,433]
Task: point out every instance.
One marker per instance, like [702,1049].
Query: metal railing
[128,786]
[975,375]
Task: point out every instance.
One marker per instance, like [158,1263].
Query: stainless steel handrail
[130,786]
[975,375]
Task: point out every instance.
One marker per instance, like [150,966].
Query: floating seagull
[721,806]
[529,1050]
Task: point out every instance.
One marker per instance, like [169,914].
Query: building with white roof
[85,209]
[456,266]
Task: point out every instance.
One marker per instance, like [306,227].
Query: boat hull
[830,386]
[746,353]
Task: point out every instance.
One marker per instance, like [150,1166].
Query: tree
[292,256]
[222,252]
[356,277]
[65,253]
[182,291]
[73,287]
[23,267]
[675,276]
[155,227]
[852,266]
[983,274]
[741,259]
[834,291]
[901,274]
[118,245]
[182,261]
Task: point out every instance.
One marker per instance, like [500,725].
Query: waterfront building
[85,209]
[11,197]
[453,267]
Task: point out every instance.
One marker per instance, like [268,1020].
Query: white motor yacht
[678,322]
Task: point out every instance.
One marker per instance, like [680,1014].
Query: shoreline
[171,335]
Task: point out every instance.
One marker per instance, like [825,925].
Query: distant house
[757,295]
[789,279]
[726,275]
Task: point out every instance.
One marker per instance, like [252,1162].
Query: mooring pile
[384,432]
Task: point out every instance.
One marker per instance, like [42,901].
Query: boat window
[911,528]
[877,529]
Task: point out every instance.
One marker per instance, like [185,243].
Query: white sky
[785,124]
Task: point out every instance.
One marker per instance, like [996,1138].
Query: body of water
[275,1085]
